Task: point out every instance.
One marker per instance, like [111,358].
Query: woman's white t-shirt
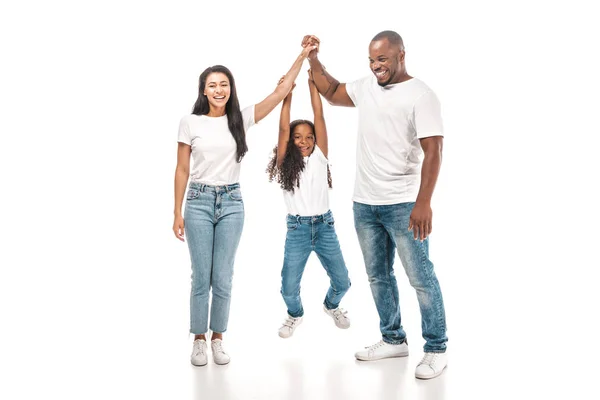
[214,151]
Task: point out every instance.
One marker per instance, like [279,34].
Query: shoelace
[199,348]
[340,313]
[375,346]
[429,358]
[218,347]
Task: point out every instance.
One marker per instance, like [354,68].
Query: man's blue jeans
[381,229]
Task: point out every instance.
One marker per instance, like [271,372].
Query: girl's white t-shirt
[312,197]
[214,151]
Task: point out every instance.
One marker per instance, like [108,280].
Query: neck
[401,76]
[216,112]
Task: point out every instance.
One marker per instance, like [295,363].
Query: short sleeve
[427,116]
[184,135]
[248,117]
[351,90]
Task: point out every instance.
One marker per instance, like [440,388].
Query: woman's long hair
[232,108]
[288,174]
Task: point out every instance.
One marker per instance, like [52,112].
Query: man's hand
[420,220]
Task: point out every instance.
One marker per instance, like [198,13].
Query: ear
[401,56]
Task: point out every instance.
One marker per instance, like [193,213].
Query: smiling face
[386,61]
[304,139]
[217,90]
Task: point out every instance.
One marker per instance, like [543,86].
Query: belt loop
[297,218]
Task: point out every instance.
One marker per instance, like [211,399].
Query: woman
[214,135]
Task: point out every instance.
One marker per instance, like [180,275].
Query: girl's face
[304,139]
[217,89]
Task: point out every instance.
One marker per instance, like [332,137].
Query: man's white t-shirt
[214,151]
[312,197]
[391,120]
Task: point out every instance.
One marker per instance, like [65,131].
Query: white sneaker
[381,350]
[219,355]
[339,316]
[288,327]
[431,365]
[199,357]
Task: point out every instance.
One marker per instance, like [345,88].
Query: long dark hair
[232,108]
[288,175]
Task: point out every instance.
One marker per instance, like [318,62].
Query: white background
[94,286]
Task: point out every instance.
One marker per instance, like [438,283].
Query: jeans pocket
[235,195]
[330,221]
[291,225]
[193,194]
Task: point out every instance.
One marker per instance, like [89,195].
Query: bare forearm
[181,179]
[315,100]
[429,175]
[325,83]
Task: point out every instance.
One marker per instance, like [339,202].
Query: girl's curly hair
[288,175]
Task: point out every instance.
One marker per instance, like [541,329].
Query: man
[398,158]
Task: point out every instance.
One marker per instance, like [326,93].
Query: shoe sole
[360,358]
[218,363]
[199,365]
[430,377]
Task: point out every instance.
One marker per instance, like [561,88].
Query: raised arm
[319,118]
[284,126]
[333,91]
[263,108]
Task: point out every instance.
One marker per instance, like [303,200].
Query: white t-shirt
[214,151]
[312,197]
[391,120]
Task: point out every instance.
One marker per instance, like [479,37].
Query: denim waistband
[215,189]
[310,220]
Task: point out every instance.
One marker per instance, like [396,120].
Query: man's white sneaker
[219,355]
[288,327]
[199,357]
[381,350]
[431,365]
[339,317]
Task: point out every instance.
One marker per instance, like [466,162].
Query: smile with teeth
[380,74]
[219,97]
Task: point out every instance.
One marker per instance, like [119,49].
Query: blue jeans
[304,235]
[382,229]
[214,218]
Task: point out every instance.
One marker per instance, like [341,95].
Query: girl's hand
[310,77]
[178,227]
[281,80]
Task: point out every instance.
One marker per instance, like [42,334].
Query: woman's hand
[178,227]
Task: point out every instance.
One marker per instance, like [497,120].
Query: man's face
[385,61]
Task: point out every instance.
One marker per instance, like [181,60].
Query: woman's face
[217,89]
[304,139]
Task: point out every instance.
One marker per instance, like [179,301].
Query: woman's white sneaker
[431,365]
[199,356]
[289,326]
[339,317]
[219,355]
[382,350]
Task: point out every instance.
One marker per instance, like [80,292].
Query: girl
[215,137]
[300,165]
